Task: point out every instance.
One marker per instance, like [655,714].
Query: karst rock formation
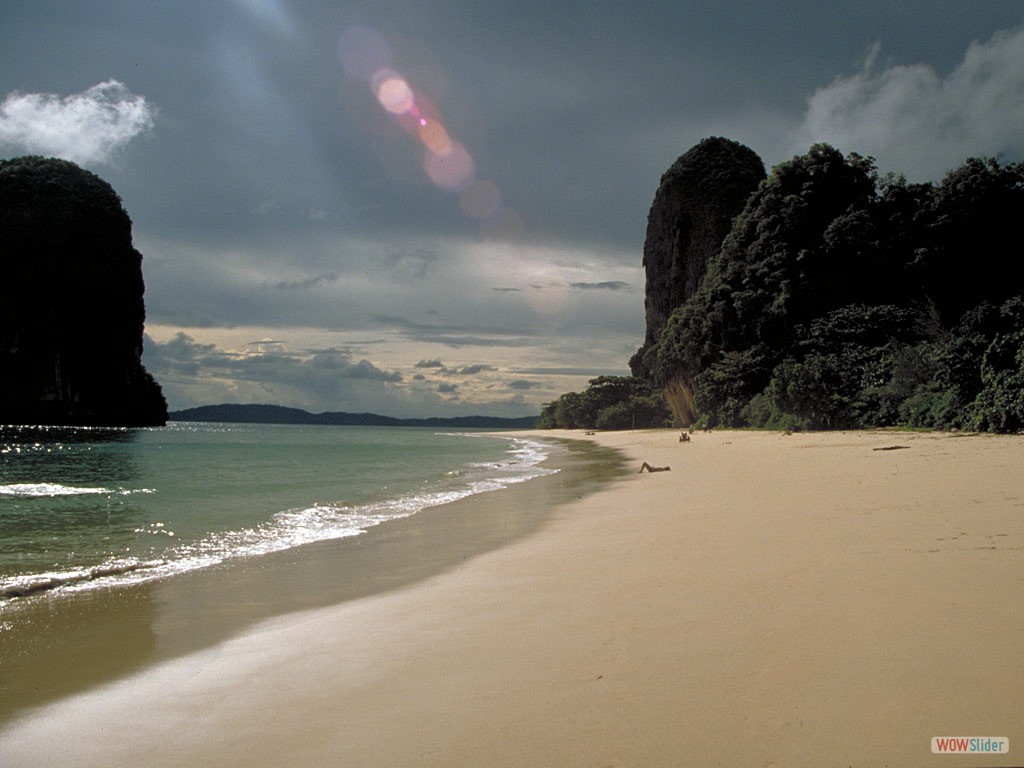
[697,199]
[71,302]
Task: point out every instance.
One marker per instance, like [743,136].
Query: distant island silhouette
[235,413]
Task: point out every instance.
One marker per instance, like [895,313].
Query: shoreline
[812,599]
[61,644]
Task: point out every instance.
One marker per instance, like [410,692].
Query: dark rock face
[692,212]
[71,302]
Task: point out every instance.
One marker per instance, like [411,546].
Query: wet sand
[55,645]
[812,599]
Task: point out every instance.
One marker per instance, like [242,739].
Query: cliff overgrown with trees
[71,302]
[842,298]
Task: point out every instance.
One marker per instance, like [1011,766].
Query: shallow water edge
[56,645]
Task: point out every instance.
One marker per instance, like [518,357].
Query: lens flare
[451,170]
[362,51]
[480,200]
[434,137]
[365,55]
[503,224]
[393,93]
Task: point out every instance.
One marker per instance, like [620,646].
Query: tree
[999,405]
[969,249]
[725,388]
[840,298]
[610,402]
[848,368]
[799,248]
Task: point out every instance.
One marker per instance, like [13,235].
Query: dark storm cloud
[607,285]
[523,384]
[472,370]
[184,356]
[556,104]
[309,282]
[457,336]
[556,371]
[270,189]
[315,379]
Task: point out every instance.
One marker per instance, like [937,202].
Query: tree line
[843,298]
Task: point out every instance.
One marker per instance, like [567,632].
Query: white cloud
[915,121]
[87,127]
[196,372]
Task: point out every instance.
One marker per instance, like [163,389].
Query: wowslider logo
[970,745]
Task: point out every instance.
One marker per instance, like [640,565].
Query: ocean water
[86,508]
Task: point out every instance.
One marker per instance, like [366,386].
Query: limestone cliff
[692,212]
[71,302]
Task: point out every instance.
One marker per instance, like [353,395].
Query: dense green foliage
[844,299]
[610,402]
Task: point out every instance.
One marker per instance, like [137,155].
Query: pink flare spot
[423,121]
[452,170]
[362,51]
[480,200]
[409,124]
[424,108]
[393,93]
[504,224]
[435,137]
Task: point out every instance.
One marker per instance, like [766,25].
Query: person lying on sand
[649,468]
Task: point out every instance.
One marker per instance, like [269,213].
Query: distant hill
[278,414]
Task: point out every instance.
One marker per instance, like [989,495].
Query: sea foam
[285,529]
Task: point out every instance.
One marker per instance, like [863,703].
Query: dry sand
[803,600]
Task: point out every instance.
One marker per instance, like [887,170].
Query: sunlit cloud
[472,370]
[395,373]
[915,121]
[263,369]
[88,127]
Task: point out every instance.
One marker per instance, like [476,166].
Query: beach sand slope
[800,600]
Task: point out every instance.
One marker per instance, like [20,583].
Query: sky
[425,208]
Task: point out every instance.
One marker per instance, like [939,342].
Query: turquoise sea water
[82,508]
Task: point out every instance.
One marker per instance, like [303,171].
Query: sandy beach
[800,600]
